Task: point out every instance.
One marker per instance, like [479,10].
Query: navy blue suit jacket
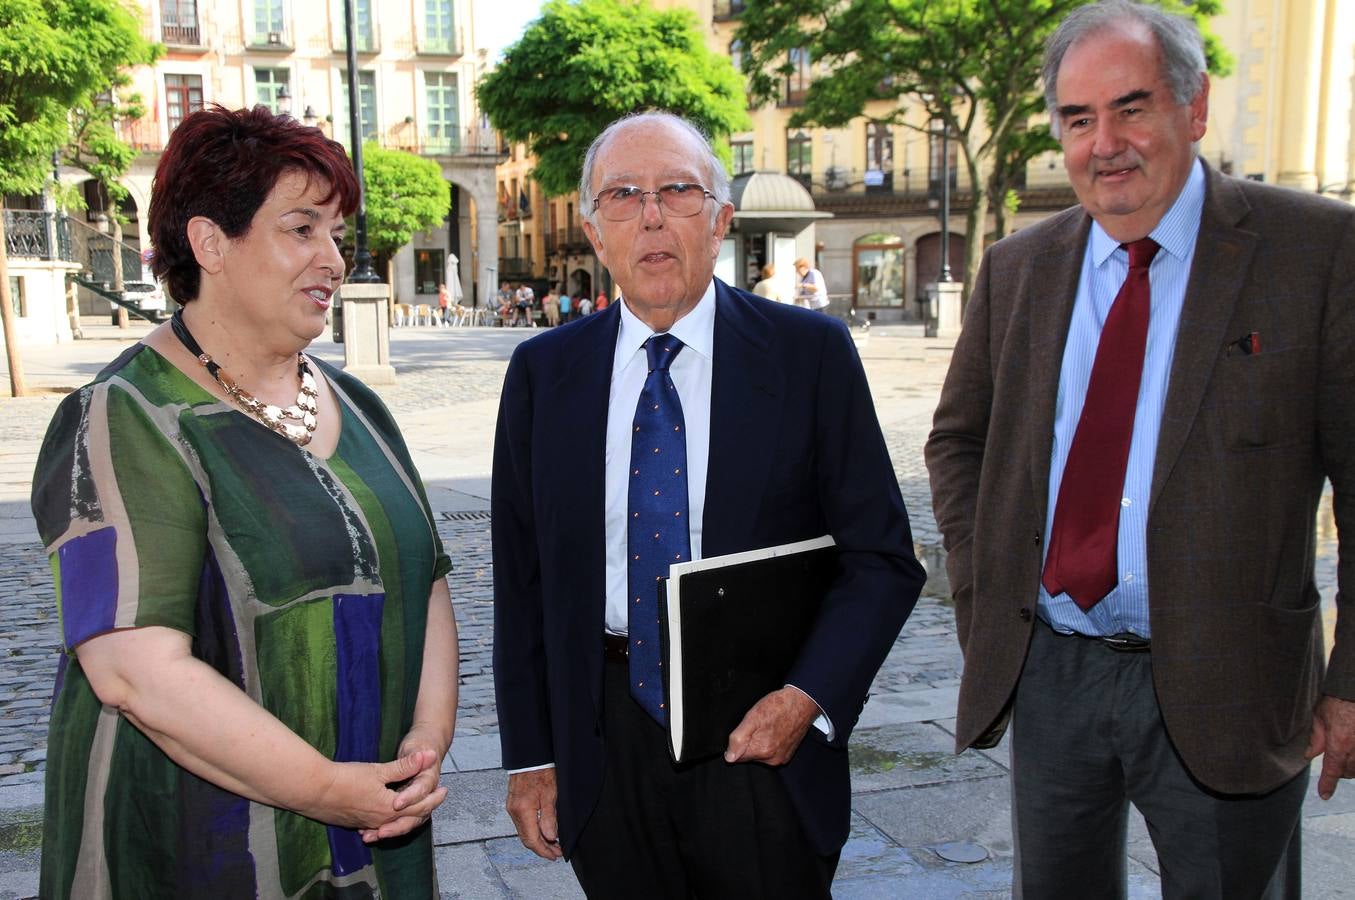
[795,452]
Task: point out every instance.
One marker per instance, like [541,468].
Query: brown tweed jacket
[1245,443]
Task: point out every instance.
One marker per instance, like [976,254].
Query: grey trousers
[1088,740]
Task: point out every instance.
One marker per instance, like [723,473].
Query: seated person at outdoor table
[259,678]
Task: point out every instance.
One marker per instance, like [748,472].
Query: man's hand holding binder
[772,730]
[731,628]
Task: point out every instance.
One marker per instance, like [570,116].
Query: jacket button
[1037,538]
[1025,614]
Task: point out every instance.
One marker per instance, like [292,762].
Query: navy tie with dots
[657,536]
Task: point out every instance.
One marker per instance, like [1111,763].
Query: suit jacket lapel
[746,391]
[1223,253]
[1052,281]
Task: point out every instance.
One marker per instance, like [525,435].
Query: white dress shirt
[691,374]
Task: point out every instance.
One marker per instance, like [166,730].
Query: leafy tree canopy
[55,56]
[972,64]
[585,63]
[405,193]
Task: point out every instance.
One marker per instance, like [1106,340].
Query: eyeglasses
[681,199]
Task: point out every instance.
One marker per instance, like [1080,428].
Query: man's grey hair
[1183,63]
[717,178]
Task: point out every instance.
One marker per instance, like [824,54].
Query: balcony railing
[469,141]
[726,9]
[367,41]
[510,266]
[571,237]
[28,233]
[440,45]
[270,40]
[140,134]
[181,35]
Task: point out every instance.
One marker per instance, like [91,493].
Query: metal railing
[570,236]
[141,134]
[28,233]
[98,255]
[468,141]
[446,46]
[182,35]
[100,260]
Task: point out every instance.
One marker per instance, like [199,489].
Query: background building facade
[1285,115]
[417,68]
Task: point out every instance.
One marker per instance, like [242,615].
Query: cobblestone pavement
[905,377]
[926,654]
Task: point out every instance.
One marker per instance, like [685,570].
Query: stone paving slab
[474,809]
[528,875]
[911,755]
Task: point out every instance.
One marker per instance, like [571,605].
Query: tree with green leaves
[95,148]
[585,63]
[405,193]
[970,65]
[55,55]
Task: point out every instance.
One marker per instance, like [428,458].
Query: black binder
[731,628]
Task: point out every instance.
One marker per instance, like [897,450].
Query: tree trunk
[16,368]
[73,309]
[1002,220]
[117,268]
[976,223]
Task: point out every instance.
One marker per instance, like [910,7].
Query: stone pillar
[366,332]
[487,246]
[944,317]
[1296,139]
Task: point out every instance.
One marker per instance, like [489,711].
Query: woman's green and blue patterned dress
[304,581]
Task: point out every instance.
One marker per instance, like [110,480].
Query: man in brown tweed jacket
[1195,688]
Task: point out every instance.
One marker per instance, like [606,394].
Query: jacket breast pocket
[1266,400]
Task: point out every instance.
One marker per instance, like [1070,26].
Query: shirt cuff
[549,765]
[822,723]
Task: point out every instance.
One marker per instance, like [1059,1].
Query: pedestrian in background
[566,307]
[811,291]
[244,707]
[585,306]
[1126,461]
[767,286]
[550,305]
[444,305]
[602,302]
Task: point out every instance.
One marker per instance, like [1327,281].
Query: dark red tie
[1081,561]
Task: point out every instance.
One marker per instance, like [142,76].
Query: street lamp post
[363,273]
[945,275]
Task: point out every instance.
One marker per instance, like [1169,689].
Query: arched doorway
[878,268]
[929,260]
[581,283]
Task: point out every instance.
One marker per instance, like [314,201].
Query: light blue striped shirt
[1104,269]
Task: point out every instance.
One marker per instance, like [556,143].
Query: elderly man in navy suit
[763,418]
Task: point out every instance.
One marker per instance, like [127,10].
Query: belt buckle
[1126,642]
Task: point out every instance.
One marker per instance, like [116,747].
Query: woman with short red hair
[259,681]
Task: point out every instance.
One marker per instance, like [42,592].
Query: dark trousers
[1088,740]
[707,829]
